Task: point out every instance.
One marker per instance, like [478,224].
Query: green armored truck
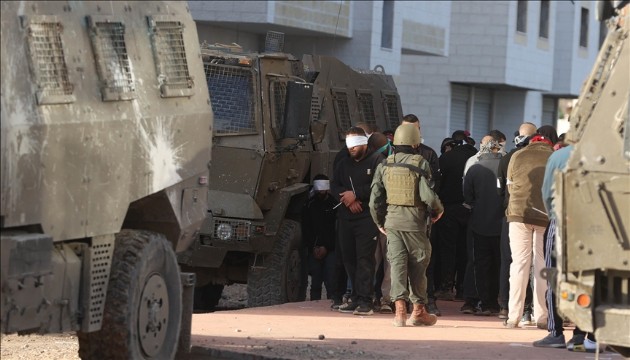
[593,268]
[279,121]
[106,130]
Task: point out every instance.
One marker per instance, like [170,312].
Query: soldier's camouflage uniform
[408,248]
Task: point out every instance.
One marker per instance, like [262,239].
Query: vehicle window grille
[316,107]
[49,62]
[232,94]
[279,102]
[241,230]
[113,59]
[274,41]
[391,111]
[342,110]
[366,106]
[169,44]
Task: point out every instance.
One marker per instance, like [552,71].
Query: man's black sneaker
[468,309]
[432,308]
[483,312]
[348,307]
[363,309]
[551,341]
[444,295]
[335,304]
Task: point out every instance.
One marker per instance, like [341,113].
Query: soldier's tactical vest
[401,180]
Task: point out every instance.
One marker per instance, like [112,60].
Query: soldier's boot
[420,316]
[401,313]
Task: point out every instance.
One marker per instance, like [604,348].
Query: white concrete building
[471,65]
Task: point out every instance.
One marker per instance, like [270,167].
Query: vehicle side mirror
[297,110]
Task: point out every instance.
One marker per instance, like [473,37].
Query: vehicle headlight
[224,231]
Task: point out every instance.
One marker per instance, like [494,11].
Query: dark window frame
[521,16]
[387,25]
[584,17]
[543,25]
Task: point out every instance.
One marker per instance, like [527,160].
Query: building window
[521,16]
[584,28]
[543,28]
[603,31]
[387,30]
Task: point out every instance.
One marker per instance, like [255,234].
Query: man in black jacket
[318,236]
[452,227]
[480,184]
[357,232]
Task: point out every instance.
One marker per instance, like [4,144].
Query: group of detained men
[493,230]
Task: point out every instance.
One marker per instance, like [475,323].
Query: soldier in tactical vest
[400,201]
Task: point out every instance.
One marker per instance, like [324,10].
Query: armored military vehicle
[279,121]
[105,135]
[593,279]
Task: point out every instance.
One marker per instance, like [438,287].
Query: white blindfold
[319,185]
[352,141]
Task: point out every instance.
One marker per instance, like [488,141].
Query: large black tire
[276,279]
[143,309]
[207,297]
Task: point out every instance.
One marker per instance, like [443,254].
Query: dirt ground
[66,346]
[310,330]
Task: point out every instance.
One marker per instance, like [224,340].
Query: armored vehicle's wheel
[207,297]
[142,316]
[278,279]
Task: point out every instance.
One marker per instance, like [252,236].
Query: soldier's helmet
[407,134]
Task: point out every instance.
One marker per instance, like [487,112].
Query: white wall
[426,19]
[572,64]
[478,41]
[532,111]
[388,58]
[529,57]
[229,11]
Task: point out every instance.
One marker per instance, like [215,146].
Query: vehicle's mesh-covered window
[49,63]
[113,60]
[279,89]
[232,96]
[366,106]
[316,108]
[342,111]
[168,42]
[391,111]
